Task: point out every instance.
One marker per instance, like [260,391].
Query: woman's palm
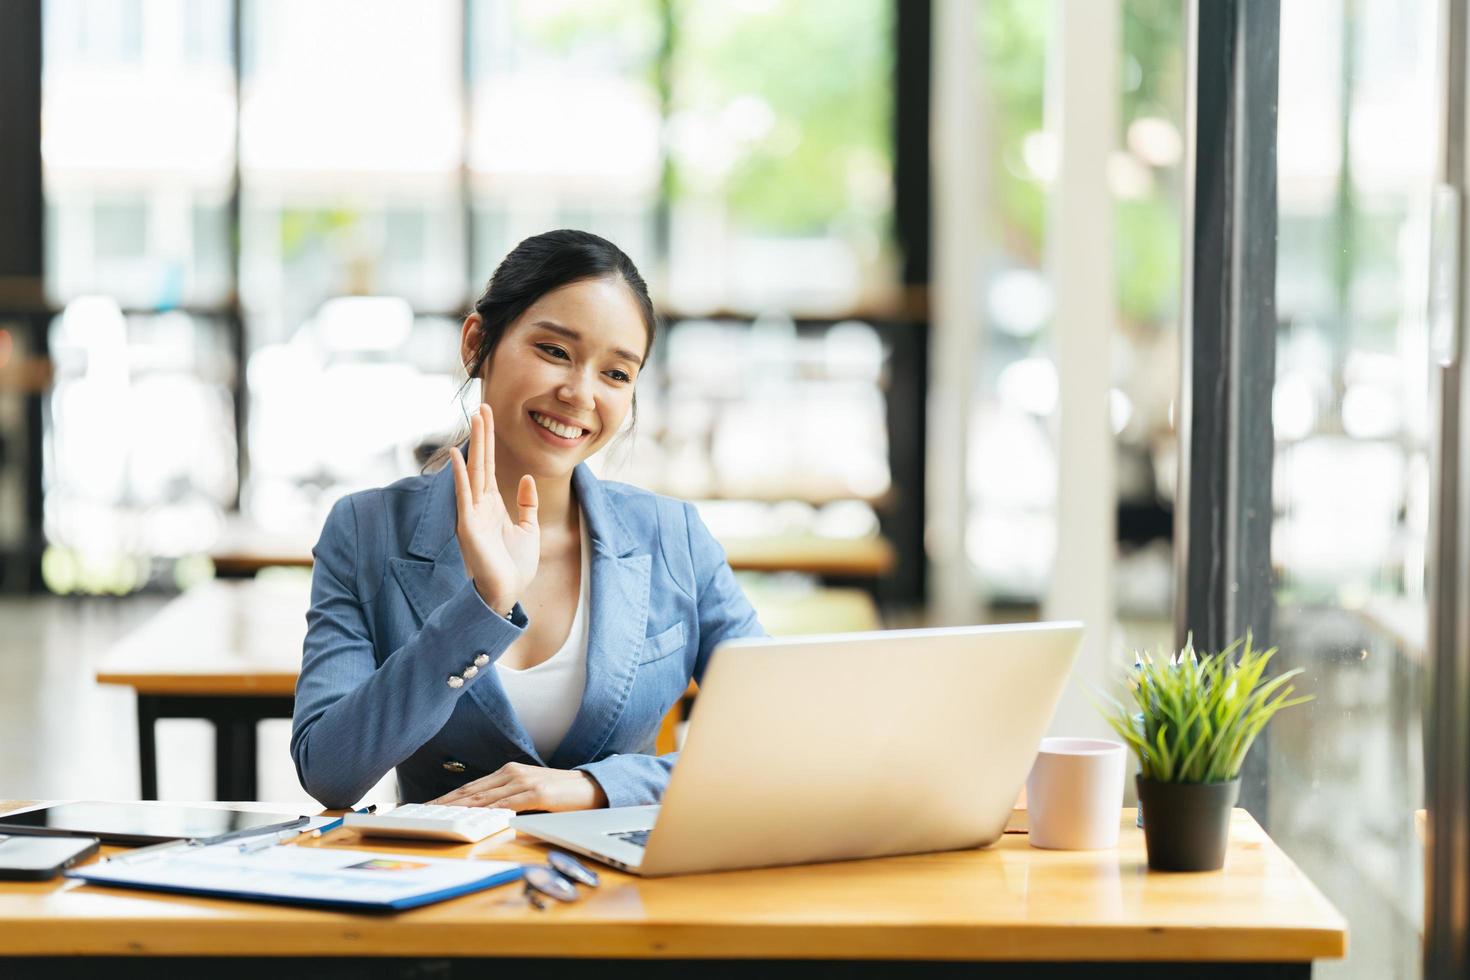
[500,554]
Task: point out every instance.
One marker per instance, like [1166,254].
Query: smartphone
[25,858]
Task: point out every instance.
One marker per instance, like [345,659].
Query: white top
[546,697]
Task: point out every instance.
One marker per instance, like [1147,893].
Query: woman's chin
[553,464]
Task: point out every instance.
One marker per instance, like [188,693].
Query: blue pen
[328,827]
[334,824]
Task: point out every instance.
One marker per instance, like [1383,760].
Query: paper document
[305,875]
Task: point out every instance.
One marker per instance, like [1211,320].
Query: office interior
[933,275]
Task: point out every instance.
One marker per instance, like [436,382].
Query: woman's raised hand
[499,554]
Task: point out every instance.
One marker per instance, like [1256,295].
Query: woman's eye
[553,350]
[619,376]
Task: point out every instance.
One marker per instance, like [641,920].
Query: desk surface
[1006,902]
[242,638]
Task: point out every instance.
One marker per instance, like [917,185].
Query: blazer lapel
[429,584]
[619,621]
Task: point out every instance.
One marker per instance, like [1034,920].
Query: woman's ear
[470,336]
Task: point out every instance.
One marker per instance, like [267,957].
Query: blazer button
[455,681]
[453,765]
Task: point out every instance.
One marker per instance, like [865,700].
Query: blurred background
[899,247]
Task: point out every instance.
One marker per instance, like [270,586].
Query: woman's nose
[576,393]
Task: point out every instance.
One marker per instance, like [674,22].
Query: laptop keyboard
[638,838]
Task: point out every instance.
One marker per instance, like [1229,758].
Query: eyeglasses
[556,879]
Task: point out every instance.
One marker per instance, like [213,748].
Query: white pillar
[1083,95]
[956,289]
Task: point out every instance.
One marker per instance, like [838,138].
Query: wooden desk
[230,652]
[1014,910]
[244,551]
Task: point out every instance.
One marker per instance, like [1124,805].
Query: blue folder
[321,877]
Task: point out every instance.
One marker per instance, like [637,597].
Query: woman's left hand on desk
[519,787]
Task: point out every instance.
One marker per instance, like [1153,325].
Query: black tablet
[142,823]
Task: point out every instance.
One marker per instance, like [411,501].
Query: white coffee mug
[1074,794]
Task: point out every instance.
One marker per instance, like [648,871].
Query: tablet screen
[142,823]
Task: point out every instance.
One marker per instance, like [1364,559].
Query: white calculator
[429,821]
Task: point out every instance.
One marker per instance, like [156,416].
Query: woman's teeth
[565,431]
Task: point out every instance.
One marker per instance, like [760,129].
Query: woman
[510,630]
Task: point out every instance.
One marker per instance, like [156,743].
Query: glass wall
[140,452]
[1356,132]
[1011,533]
[566,126]
[351,229]
[781,158]
[138,147]
[350,147]
[388,156]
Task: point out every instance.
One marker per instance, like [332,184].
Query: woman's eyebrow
[572,335]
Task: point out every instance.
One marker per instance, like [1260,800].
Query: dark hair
[541,264]
[546,262]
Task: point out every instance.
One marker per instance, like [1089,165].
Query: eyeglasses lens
[540,878]
[570,867]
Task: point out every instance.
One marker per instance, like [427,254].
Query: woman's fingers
[520,787]
[477,457]
[519,801]
[527,502]
[456,797]
[463,496]
[495,780]
[464,796]
[487,450]
[498,795]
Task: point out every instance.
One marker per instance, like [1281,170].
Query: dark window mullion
[1223,521]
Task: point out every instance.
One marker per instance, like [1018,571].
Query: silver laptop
[853,745]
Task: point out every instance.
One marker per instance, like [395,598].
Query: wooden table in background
[229,652]
[854,558]
[245,551]
[1005,911]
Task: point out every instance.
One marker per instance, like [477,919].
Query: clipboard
[321,877]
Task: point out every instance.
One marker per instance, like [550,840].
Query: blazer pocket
[657,647]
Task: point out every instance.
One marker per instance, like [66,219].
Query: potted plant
[1191,720]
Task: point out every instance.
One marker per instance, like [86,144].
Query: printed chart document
[317,876]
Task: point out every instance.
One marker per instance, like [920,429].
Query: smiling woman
[515,555]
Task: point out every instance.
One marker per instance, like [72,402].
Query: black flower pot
[1188,824]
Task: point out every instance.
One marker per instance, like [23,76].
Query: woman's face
[560,382]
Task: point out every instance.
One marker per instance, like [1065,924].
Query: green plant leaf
[1201,712]
[1164,763]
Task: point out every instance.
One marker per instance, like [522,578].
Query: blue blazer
[394,616]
